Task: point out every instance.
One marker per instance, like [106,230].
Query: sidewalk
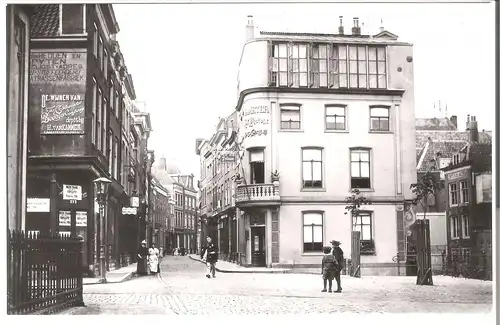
[228,267]
[115,276]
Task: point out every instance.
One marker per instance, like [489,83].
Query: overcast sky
[184,59]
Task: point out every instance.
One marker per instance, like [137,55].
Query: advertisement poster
[81,218]
[37,205]
[72,192]
[57,90]
[64,218]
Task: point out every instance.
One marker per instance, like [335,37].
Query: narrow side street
[182,288]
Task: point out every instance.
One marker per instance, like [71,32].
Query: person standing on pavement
[338,253]
[142,259]
[153,259]
[328,267]
[209,256]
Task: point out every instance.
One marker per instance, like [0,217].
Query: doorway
[258,246]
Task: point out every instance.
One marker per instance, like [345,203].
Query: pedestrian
[209,256]
[142,259]
[328,267]
[160,258]
[153,259]
[339,256]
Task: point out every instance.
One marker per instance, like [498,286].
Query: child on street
[328,267]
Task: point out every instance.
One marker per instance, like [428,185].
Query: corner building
[321,114]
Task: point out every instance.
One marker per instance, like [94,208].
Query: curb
[264,270]
[120,280]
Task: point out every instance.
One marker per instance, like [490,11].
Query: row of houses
[73,117]
[317,116]
[460,214]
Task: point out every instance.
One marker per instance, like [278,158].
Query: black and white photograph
[250,158]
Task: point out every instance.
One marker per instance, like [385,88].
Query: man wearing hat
[339,256]
[142,259]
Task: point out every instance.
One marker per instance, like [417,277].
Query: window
[105,64]
[112,103]
[360,168]
[115,158]
[290,117]
[94,111]
[72,19]
[379,119]
[95,40]
[313,232]
[99,54]
[320,65]
[453,194]
[335,117]
[357,66]
[104,126]
[312,169]
[456,159]
[280,64]
[454,227]
[299,65]
[363,224]
[99,118]
[464,192]
[483,188]
[111,153]
[376,67]
[257,167]
[465,227]
[319,68]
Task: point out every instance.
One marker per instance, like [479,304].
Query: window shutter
[270,81]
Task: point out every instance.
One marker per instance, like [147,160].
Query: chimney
[473,131]
[341,28]
[249,29]
[467,123]
[381,25]
[356,30]
[454,120]
[162,164]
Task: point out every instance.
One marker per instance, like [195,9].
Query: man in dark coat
[339,256]
[209,255]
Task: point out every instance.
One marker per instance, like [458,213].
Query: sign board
[64,218]
[72,192]
[81,218]
[456,175]
[37,205]
[129,210]
[57,90]
[134,201]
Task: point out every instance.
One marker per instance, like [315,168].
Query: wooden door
[258,244]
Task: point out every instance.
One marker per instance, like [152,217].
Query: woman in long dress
[153,259]
[142,259]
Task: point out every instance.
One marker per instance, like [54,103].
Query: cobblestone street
[183,289]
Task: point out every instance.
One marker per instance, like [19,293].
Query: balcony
[257,195]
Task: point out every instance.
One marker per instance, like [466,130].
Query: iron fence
[44,273]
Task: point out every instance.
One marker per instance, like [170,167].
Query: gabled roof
[434,123]
[45,21]
[387,35]
[441,144]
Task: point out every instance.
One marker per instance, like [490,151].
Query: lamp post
[101,192]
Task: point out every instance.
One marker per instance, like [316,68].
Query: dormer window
[456,159]
[72,19]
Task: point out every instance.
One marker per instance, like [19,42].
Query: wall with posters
[57,89]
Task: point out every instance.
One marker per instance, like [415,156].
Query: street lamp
[101,192]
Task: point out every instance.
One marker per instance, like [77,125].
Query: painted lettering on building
[459,174]
[57,90]
[255,121]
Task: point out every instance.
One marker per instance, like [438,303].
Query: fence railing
[44,273]
[477,266]
[257,192]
